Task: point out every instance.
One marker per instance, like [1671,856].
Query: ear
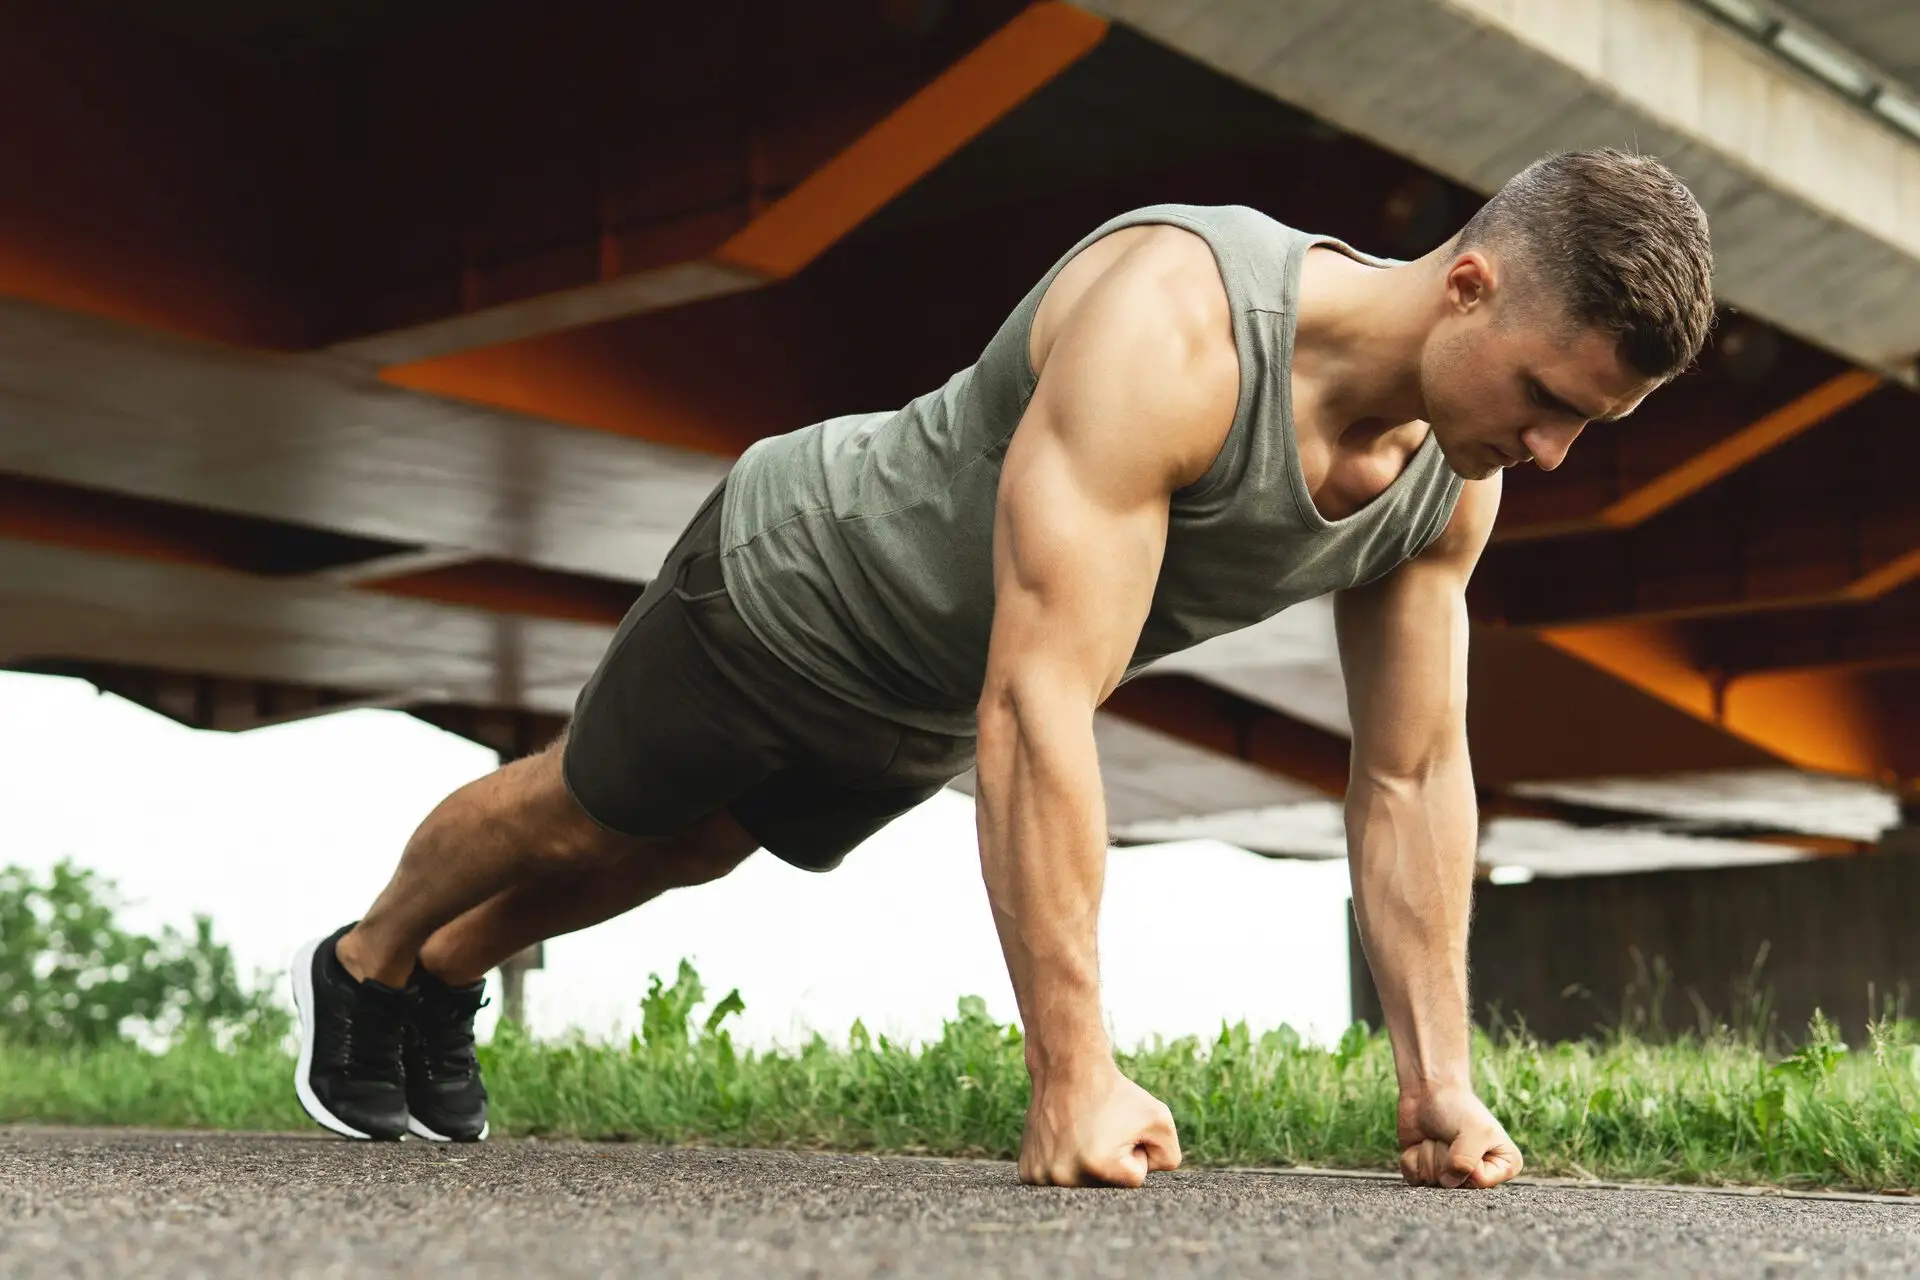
[1470,282]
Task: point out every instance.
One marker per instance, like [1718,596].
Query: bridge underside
[375,356]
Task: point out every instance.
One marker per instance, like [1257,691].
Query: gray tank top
[860,549]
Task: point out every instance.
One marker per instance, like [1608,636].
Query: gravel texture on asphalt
[78,1202]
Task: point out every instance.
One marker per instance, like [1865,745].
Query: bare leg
[562,901]
[515,826]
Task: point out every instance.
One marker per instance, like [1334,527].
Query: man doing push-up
[1196,418]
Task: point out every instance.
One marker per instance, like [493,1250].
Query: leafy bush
[72,978]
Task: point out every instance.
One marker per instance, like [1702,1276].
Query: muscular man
[1196,418]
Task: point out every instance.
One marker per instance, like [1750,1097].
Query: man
[1195,419]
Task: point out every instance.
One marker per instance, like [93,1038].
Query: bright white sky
[284,833]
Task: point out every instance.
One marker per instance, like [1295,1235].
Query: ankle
[363,961]
[447,969]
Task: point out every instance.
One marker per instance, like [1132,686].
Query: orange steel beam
[1823,522]
[900,149]
[1217,720]
[950,112]
[1769,432]
[1713,463]
[1823,719]
[1876,583]
[1883,635]
[1870,586]
[124,200]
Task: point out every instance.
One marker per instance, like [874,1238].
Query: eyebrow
[1559,401]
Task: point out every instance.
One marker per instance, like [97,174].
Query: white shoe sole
[419,1130]
[301,979]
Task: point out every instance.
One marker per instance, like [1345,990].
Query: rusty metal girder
[200,700]
[153,529]
[1883,633]
[1708,424]
[288,196]
[1826,519]
[847,157]
[229,705]
[35,510]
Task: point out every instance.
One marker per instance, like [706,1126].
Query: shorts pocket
[700,579]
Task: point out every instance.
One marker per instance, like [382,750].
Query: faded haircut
[1619,241]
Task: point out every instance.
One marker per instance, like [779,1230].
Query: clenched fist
[1448,1138]
[1104,1130]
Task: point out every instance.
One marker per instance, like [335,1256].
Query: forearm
[1411,849]
[1042,826]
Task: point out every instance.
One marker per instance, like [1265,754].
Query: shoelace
[366,1041]
[443,1033]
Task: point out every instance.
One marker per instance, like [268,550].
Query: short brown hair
[1622,243]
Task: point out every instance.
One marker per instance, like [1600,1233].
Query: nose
[1549,445]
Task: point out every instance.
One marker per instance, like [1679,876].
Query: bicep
[1124,404]
[1074,566]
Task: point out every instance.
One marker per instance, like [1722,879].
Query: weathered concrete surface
[125,1203]
[1815,207]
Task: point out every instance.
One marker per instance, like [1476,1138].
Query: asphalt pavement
[83,1203]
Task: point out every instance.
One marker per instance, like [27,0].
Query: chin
[1467,470]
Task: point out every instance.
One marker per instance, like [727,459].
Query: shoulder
[1152,296]
[1162,292]
[1138,348]
[1175,270]
[1468,529]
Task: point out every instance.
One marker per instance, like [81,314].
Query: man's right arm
[1136,393]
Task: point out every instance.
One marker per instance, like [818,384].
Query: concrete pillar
[513,982]
[514,969]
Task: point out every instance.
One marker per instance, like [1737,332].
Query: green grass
[1712,1109]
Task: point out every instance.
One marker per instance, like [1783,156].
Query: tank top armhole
[1221,467]
[1442,515]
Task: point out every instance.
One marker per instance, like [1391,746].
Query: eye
[1546,400]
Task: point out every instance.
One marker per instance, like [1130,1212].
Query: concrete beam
[1815,206]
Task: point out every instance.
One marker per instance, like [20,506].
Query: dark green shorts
[689,713]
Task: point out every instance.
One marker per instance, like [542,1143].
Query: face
[1508,380]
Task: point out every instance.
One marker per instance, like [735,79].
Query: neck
[1359,339]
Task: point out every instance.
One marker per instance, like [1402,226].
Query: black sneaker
[349,1076]
[446,1101]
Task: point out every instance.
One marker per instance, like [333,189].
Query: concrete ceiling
[1531,846]
[1815,207]
[1885,32]
[316,443]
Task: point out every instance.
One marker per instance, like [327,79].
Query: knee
[526,802]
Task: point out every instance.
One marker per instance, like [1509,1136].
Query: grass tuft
[1713,1109]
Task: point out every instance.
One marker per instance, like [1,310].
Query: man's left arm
[1411,839]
